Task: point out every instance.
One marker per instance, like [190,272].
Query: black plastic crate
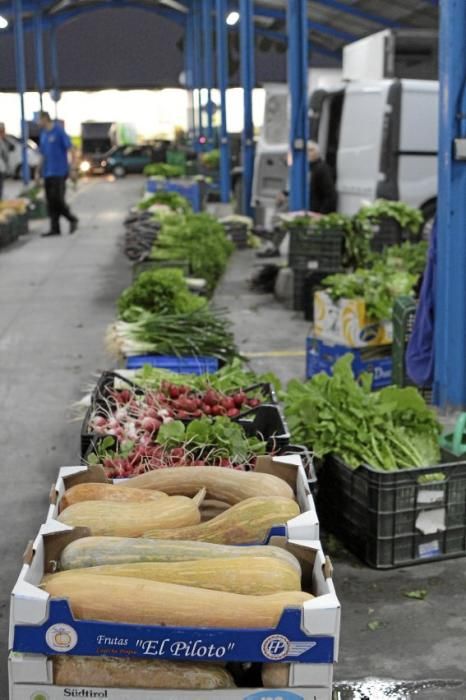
[267,422]
[387,232]
[313,282]
[312,250]
[7,234]
[376,513]
[238,234]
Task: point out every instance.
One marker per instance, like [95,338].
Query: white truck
[379,135]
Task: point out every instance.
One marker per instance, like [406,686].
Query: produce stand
[192,190]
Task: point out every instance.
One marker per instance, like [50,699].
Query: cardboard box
[345,321]
[40,624]
[31,678]
[321,355]
[289,468]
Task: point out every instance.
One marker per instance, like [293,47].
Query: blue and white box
[321,355]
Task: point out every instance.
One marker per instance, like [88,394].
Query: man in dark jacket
[323,194]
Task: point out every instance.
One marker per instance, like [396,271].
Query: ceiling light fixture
[3,22]
[232,19]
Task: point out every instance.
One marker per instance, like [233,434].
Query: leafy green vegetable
[387,430]
[225,435]
[379,286]
[161,291]
[201,333]
[163,170]
[410,257]
[175,201]
[232,377]
[409,218]
[198,238]
[211,159]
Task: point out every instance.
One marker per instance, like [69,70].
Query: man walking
[4,152]
[54,147]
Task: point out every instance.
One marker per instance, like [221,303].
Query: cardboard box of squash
[147,589]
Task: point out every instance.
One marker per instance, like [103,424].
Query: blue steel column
[208,35]
[39,51]
[450,310]
[21,84]
[298,83]
[189,67]
[222,80]
[247,71]
[55,92]
[197,70]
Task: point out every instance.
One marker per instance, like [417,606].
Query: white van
[15,156]
[388,143]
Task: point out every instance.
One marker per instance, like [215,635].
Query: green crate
[145,265]
[38,209]
[404,314]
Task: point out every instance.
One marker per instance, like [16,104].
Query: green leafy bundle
[163,170]
[161,291]
[198,238]
[379,286]
[221,433]
[411,257]
[201,333]
[176,202]
[228,379]
[409,218]
[211,159]
[387,430]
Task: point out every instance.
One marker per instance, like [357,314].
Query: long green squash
[100,551]
[140,602]
[256,576]
[228,485]
[247,522]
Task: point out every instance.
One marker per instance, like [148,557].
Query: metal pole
[197,26]
[247,72]
[54,67]
[189,68]
[39,51]
[21,84]
[208,32]
[222,80]
[298,83]
[450,308]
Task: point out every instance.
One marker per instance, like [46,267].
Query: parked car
[121,160]
[15,157]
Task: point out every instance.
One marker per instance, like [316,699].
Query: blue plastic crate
[191,190]
[182,365]
[321,356]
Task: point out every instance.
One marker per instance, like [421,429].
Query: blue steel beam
[247,73]
[21,85]
[222,81]
[189,71]
[39,55]
[357,12]
[208,36]
[450,309]
[280,36]
[274,13]
[198,73]
[298,84]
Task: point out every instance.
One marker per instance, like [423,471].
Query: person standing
[323,194]
[55,144]
[4,153]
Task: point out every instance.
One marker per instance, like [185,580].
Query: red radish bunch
[146,458]
[135,415]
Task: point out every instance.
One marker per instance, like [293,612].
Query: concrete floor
[57,297]
[415,640]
